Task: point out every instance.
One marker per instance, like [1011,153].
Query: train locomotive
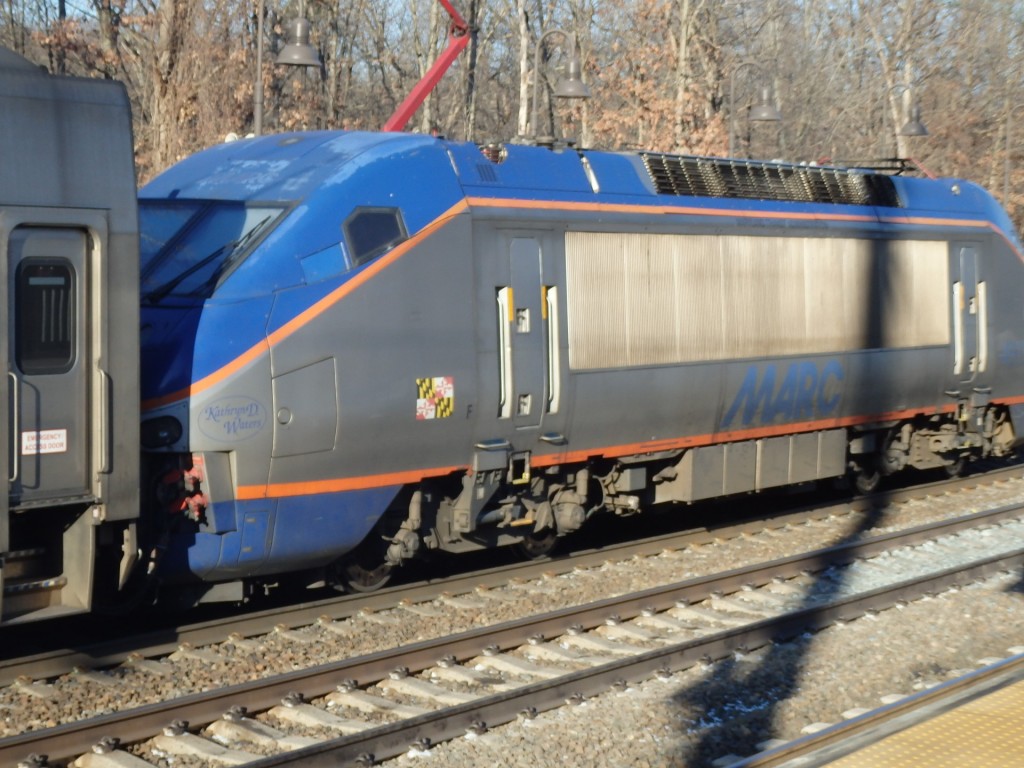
[351,350]
[358,348]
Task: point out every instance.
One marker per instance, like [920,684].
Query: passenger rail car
[69,336]
[357,348]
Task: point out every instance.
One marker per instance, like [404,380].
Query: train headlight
[160,432]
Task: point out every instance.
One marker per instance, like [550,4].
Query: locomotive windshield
[186,247]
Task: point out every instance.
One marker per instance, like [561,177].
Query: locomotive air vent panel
[486,173]
[752,180]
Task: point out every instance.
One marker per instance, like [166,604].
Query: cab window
[187,249]
[369,232]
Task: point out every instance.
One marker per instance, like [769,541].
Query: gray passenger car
[69,336]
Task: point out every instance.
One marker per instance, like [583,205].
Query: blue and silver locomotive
[361,347]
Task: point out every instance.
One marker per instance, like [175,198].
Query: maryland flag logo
[435,397]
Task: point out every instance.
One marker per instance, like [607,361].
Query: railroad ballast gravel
[698,716]
[779,697]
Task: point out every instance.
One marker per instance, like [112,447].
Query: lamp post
[297,52]
[257,116]
[570,87]
[913,126]
[763,112]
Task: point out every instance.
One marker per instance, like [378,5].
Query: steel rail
[73,739]
[163,642]
[831,743]
[392,740]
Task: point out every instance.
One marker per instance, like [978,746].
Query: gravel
[703,714]
[692,719]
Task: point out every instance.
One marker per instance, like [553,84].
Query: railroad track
[165,641]
[447,686]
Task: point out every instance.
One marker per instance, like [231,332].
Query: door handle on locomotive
[106,391]
[15,425]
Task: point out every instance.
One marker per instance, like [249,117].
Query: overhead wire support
[458,39]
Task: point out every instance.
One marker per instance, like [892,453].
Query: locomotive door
[48,407]
[524,327]
[968,320]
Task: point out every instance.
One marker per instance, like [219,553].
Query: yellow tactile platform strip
[985,733]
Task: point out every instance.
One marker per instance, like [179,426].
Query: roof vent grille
[752,180]
[487,173]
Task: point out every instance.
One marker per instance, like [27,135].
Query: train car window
[44,335]
[207,247]
[372,231]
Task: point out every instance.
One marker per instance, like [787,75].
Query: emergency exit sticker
[44,441]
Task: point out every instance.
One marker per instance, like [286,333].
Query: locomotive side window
[44,317]
[372,231]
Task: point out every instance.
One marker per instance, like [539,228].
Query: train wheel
[360,577]
[537,545]
[956,468]
[364,569]
[867,478]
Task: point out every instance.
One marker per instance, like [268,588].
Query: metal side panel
[639,299]
[700,475]
[803,457]
[79,556]
[772,462]
[831,453]
[222,513]
[740,467]
[306,410]
[755,465]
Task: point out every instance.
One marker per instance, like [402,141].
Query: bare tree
[844,75]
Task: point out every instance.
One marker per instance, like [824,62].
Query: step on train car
[361,347]
[69,335]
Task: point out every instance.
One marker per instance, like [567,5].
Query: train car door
[523,326]
[49,414]
[968,317]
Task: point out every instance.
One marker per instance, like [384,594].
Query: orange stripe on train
[336,485]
